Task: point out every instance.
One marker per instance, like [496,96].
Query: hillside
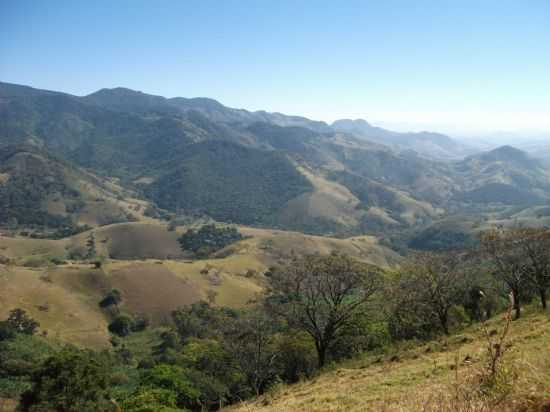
[173,146]
[51,280]
[38,190]
[438,376]
[504,175]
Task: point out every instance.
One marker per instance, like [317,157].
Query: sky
[458,66]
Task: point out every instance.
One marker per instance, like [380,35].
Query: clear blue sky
[465,64]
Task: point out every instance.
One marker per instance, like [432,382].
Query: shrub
[6,331]
[121,325]
[114,297]
[20,322]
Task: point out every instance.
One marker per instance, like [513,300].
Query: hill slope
[439,376]
[37,189]
[48,279]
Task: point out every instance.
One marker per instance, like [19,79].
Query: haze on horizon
[463,68]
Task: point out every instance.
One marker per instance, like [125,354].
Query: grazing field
[64,301]
[144,261]
[135,241]
[272,245]
[153,240]
[152,289]
[18,247]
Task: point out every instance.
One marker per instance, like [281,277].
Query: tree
[216,369]
[432,283]
[200,320]
[174,379]
[320,295]
[250,340]
[71,381]
[114,297]
[535,247]
[122,325]
[509,264]
[145,399]
[20,322]
[90,246]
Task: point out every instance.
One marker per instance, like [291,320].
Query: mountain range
[197,157]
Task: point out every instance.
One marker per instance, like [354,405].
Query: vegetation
[20,322]
[443,237]
[320,295]
[208,239]
[315,310]
[72,381]
[230,183]
[198,159]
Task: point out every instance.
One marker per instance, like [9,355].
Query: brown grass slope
[64,298]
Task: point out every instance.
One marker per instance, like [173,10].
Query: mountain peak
[351,123]
[117,91]
[506,153]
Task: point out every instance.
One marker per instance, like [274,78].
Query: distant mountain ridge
[123,99]
[268,169]
[433,145]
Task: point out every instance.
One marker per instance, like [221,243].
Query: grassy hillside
[145,262]
[437,376]
[65,299]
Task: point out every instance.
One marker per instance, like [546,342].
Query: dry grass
[440,376]
[140,240]
[7,405]
[153,290]
[19,247]
[64,311]
[271,245]
[71,292]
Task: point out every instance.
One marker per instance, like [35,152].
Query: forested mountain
[197,156]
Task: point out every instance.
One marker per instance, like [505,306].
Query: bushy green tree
[146,399]
[70,381]
[176,380]
[122,325]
